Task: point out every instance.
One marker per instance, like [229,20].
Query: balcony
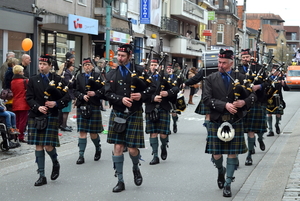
[186,46]
[169,26]
[189,11]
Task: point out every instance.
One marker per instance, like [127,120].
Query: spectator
[20,107]
[192,73]
[10,119]
[4,66]
[26,60]
[9,73]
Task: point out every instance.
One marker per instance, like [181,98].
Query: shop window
[15,43]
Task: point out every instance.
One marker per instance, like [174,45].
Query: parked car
[293,77]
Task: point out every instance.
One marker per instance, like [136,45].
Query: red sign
[207,32]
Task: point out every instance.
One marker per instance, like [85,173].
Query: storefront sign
[118,37]
[207,32]
[150,12]
[211,15]
[145,12]
[82,24]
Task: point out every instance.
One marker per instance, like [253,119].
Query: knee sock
[135,160]
[154,145]
[118,166]
[164,141]
[251,142]
[230,168]
[260,136]
[269,120]
[219,164]
[40,160]
[82,145]
[97,143]
[175,118]
[53,155]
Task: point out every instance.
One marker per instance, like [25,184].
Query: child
[10,119]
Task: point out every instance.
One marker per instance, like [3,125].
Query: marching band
[240,98]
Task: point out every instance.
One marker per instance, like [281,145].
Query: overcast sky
[288,10]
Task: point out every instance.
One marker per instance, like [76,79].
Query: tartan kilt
[91,125]
[162,126]
[255,120]
[216,146]
[49,136]
[277,111]
[133,136]
[202,109]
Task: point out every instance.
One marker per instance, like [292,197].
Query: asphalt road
[187,174]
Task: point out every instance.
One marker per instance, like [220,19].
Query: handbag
[41,122]
[119,124]
[86,111]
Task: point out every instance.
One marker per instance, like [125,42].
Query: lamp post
[282,43]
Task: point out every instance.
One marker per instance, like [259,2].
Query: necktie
[45,79]
[123,71]
[156,77]
[225,80]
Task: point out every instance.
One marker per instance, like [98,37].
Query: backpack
[6,94]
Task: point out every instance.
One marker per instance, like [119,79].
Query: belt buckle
[226,117]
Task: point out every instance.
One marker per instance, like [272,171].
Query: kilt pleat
[133,136]
[162,126]
[48,136]
[91,125]
[202,109]
[216,146]
[255,120]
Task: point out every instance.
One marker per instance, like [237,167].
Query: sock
[164,141]
[175,118]
[218,163]
[82,145]
[40,160]
[251,142]
[135,161]
[260,136]
[154,145]
[97,143]
[230,168]
[118,166]
[269,120]
[53,155]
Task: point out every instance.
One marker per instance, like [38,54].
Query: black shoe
[119,187]
[248,161]
[97,155]
[175,128]
[221,179]
[41,181]
[253,151]
[66,129]
[138,179]
[227,191]
[262,145]
[70,127]
[277,128]
[55,171]
[164,152]
[271,133]
[154,161]
[80,160]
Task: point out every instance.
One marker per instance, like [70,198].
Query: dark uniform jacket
[166,101]
[97,85]
[35,96]
[254,69]
[117,87]
[215,96]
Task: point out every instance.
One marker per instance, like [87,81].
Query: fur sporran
[119,124]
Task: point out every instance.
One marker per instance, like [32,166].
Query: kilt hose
[162,126]
[133,136]
[91,125]
[216,146]
[255,120]
[202,109]
[48,136]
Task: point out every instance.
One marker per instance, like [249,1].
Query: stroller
[7,138]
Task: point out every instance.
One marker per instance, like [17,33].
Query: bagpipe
[180,104]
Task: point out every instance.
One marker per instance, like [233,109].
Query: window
[266,21]
[251,43]
[220,34]
[119,7]
[294,36]
[82,2]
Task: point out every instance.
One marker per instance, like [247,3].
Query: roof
[269,34]
[265,16]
